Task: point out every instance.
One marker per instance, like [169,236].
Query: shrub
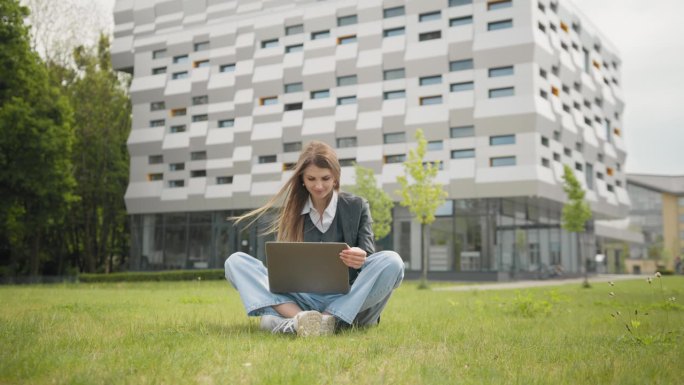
[170,275]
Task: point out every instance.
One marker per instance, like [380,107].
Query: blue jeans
[381,273]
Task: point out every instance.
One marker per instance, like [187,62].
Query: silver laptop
[306,267]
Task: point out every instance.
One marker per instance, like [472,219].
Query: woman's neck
[321,205]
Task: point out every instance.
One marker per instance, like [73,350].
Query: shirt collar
[330,210]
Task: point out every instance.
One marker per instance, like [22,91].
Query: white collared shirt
[322,224]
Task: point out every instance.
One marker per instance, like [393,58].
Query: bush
[170,275]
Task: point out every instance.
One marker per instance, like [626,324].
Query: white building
[225,93]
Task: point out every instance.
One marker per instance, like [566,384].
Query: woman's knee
[392,262]
[235,260]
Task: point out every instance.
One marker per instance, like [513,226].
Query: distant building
[225,93]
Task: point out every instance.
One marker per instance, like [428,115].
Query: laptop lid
[306,267]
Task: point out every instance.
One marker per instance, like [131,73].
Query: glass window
[201,64]
[429,16]
[494,5]
[346,142]
[156,106]
[346,20]
[461,65]
[589,175]
[501,140]
[393,12]
[269,101]
[556,157]
[346,80]
[346,100]
[346,40]
[176,183]
[460,87]
[177,129]
[224,180]
[294,29]
[462,131]
[393,74]
[456,3]
[269,43]
[293,106]
[227,67]
[158,70]
[395,137]
[198,173]
[463,154]
[546,162]
[180,75]
[157,123]
[293,87]
[320,35]
[180,59]
[155,177]
[458,21]
[225,123]
[158,54]
[429,80]
[347,162]
[292,147]
[267,159]
[430,100]
[395,158]
[502,161]
[176,166]
[201,46]
[435,145]
[393,32]
[155,159]
[200,118]
[199,100]
[198,155]
[321,94]
[545,141]
[500,71]
[501,24]
[400,94]
[430,35]
[294,48]
[179,112]
[501,92]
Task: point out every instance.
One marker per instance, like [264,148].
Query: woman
[313,210]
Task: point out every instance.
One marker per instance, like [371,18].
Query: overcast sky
[650,38]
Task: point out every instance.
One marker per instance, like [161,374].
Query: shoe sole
[309,324]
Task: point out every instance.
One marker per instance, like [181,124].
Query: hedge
[169,275]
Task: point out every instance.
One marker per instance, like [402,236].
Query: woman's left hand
[353,257]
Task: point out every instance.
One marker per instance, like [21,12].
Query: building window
[610,188]
[200,118]
[429,16]
[460,87]
[269,43]
[177,129]
[320,94]
[567,151]
[155,177]
[456,3]
[293,87]
[589,175]
[435,145]
[158,70]
[557,135]
[501,71]
[502,161]
[320,35]
[494,5]
[158,54]
[579,146]
[292,147]
[430,100]
[182,59]
[199,100]
[545,162]
[155,159]
[268,101]
[347,162]
[156,106]
[288,166]
[599,175]
[294,29]
[176,166]
[425,36]
[545,141]
[224,180]
[346,80]
[399,94]
[225,123]
[500,140]
[395,137]
[578,166]
[463,154]
[263,159]
[294,48]
[461,65]
[179,112]
[346,142]
[429,80]
[176,183]
[556,157]
[293,106]
[501,24]
[227,68]
[462,132]
[393,12]
[459,21]
[179,75]
[342,40]
[501,92]
[393,74]
[201,46]
[198,155]
[157,123]
[346,20]
[543,94]
[201,64]
[542,73]
[198,173]
[346,100]
[395,158]
[393,32]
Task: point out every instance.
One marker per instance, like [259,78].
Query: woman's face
[319,182]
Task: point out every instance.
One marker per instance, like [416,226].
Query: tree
[421,194]
[576,211]
[36,138]
[380,202]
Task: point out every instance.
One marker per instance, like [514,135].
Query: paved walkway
[542,283]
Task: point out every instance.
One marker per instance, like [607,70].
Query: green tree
[380,202]
[421,194]
[576,212]
[36,138]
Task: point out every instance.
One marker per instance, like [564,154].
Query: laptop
[306,267]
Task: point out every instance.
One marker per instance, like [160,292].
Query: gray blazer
[355,219]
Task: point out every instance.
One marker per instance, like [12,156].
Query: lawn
[197,333]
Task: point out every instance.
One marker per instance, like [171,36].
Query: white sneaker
[304,324]
[327,325]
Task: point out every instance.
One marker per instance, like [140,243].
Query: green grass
[197,333]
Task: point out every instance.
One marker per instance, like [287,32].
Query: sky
[649,36]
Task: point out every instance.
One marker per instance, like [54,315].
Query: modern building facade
[225,93]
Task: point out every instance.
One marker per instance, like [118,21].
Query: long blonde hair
[289,223]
